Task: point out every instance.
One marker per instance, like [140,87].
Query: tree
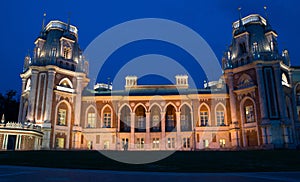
[9,105]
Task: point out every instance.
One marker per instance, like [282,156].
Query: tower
[52,83]
[259,84]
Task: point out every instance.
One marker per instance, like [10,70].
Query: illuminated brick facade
[254,105]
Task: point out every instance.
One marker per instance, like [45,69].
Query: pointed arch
[245,79]
[242,110]
[204,115]
[90,117]
[155,104]
[140,104]
[124,105]
[64,128]
[170,117]
[186,120]
[155,117]
[125,118]
[170,103]
[220,114]
[187,104]
[107,117]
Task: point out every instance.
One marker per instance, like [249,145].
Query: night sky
[21,23]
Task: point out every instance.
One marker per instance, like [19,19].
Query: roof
[153,92]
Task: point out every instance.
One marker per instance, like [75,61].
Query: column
[178,130]
[4,144]
[78,101]
[132,130]
[118,122]
[261,92]
[232,98]
[147,139]
[50,87]
[264,135]
[32,94]
[163,131]
[280,93]
[20,119]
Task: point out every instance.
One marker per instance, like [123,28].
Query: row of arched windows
[170,117]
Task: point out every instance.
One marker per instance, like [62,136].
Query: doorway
[11,142]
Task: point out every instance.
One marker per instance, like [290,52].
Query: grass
[200,161]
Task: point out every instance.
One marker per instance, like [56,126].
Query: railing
[16,125]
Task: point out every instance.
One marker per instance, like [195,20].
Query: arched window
[204,116]
[62,114]
[140,120]
[125,119]
[220,115]
[249,111]
[185,118]
[67,52]
[91,118]
[107,118]
[155,119]
[170,118]
[65,82]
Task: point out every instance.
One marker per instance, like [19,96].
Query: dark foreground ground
[38,174]
[201,161]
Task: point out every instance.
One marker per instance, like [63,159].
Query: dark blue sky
[21,24]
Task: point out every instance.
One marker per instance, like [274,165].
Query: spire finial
[44,19]
[266,13]
[69,17]
[240,13]
[241,25]
[43,23]
[2,119]
[267,19]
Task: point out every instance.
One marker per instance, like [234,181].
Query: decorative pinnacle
[239,9]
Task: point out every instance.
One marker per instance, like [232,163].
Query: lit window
[186,142]
[205,144]
[107,120]
[91,122]
[249,114]
[171,143]
[140,143]
[67,53]
[60,143]
[155,143]
[125,143]
[61,118]
[222,143]
[204,118]
[220,118]
[106,145]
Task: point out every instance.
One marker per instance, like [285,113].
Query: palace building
[255,104]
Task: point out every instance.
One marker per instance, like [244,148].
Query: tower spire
[69,17]
[241,25]
[268,26]
[43,24]
[44,19]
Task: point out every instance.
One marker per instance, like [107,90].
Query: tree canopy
[9,105]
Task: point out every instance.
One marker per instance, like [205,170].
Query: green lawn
[201,161]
